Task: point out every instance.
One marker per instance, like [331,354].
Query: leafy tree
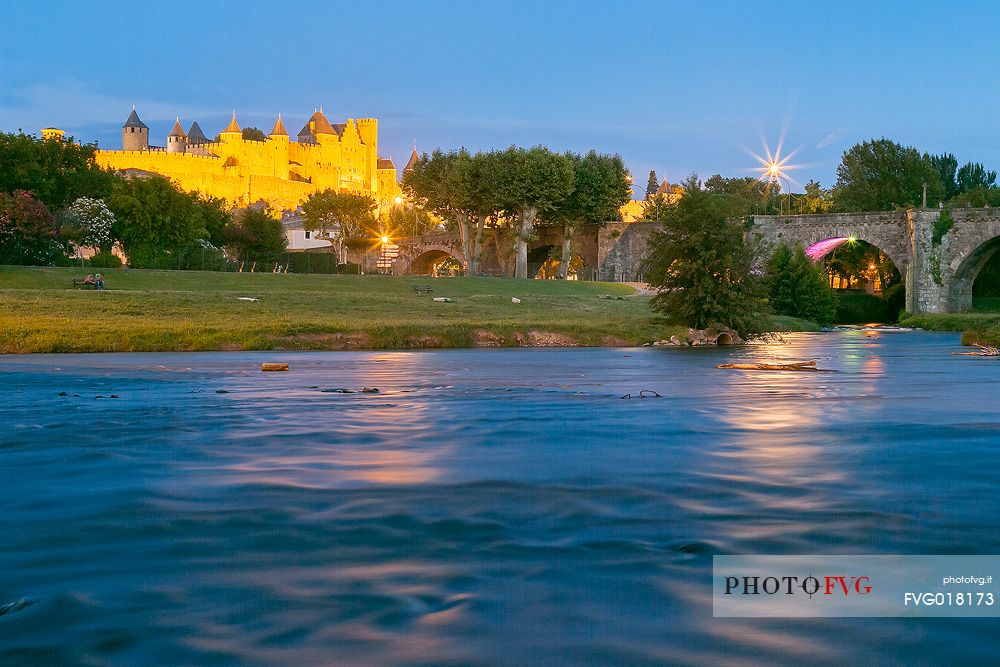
[254,134]
[156,222]
[946,165]
[816,199]
[974,175]
[348,216]
[657,208]
[702,263]
[56,171]
[978,197]
[530,183]
[446,183]
[744,195]
[27,230]
[410,220]
[255,232]
[352,214]
[652,185]
[600,187]
[880,175]
[798,287]
[87,222]
[216,216]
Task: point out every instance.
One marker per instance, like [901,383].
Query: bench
[80,283]
[423,289]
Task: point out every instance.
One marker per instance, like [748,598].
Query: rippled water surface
[485,507]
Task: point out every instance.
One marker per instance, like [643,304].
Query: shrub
[862,308]
[27,230]
[105,260]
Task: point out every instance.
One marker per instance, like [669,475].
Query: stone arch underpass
[939,269]
[417,254]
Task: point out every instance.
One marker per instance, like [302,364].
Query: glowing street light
[385,239]
[774,169]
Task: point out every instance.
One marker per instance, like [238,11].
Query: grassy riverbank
[190,310]
[983,328]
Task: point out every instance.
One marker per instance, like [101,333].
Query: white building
[299,238]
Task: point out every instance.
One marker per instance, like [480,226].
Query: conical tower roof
[195,135]
[320,124]
[233,126]
[414,159]
[133,121]
[177,131]
[279,128]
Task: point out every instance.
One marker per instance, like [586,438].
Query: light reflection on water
[485,507]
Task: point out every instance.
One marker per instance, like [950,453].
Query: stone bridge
[611,251]
[938,273]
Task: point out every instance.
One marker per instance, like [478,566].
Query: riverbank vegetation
[977,327]
[191,310]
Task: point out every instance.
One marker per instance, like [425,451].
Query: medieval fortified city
[639,356]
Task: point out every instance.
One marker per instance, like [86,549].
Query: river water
[495,507]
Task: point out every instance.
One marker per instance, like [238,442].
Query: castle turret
[414,159]
[368,131]
[195,135]
[135,134]
[278,138]
[232,131]
[279,131]
[177,139]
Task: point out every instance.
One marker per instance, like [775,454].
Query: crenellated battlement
[279,169]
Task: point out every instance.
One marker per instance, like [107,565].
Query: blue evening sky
[679,87]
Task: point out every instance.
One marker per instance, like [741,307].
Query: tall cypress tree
[652,184]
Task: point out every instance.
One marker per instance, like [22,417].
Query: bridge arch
[425,260]
[969,254]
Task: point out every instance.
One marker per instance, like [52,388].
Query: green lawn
[193,310]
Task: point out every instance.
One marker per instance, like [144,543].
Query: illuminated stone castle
[284,173]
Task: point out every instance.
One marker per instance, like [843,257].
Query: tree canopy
[55,171]
[517,189]
[353,214]
[254,134]
[157,223]
[254,232]
[702,263]
[881,175]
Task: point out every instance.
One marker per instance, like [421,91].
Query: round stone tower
[135,134]
[177,139]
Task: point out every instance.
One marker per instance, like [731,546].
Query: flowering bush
[27,230]
[87,222]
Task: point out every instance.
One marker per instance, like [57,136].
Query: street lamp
[631,184]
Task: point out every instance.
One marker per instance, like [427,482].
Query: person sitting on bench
[89,280]
[99,281]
